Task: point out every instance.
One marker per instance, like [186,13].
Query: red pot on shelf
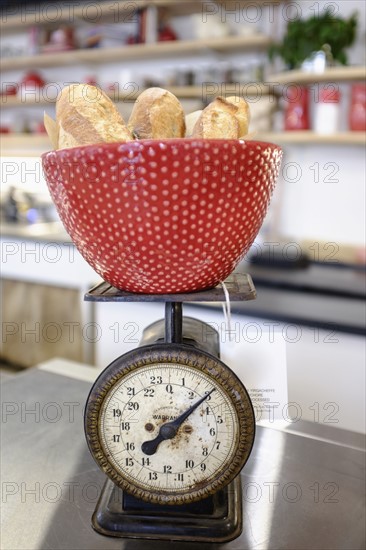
[357,112]
[31,86]
[9,89]
[166,34]
[33,79]
[297,108]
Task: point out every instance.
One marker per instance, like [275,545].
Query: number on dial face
[142,401]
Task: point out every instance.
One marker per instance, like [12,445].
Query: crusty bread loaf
[217,121]
[157,114]
[223,118]
[86,115]
[191,120]
[242,113]
[66,140]
[52,129]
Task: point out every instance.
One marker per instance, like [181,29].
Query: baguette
[52,129]
[217,121]
[242,114]
[86,115]
[191,120]
[157,114]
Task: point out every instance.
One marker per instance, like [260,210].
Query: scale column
[173,323]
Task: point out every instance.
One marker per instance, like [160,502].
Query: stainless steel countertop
[299,493]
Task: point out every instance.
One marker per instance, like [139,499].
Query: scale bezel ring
[175,354]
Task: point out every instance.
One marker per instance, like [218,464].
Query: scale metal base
[215,519]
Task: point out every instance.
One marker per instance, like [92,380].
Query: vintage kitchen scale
[169,423]
[172,426]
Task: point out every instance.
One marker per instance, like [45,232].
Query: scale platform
[239,286]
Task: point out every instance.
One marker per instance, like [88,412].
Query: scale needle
[170,429]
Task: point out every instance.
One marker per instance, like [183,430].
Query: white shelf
[333,74]
[183,92]
[113,11]
[35,145]
[28,145]
[136,51]
[311,138]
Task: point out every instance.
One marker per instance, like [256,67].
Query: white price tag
[257,355]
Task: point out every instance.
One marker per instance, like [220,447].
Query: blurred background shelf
[184,92]
[34,145]
[333,74]
[28,145]
[311,138]
[136,51]
[114,11]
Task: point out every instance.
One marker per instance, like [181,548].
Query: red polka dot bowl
[163,216]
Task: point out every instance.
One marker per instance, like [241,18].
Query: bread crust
[157,114]
[86,115]
[242,113]
[52,129]
[217,121]
[191,120]
[66,140]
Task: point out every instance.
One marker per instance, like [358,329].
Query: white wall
[322,192]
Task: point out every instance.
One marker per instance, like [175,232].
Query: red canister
[357,112]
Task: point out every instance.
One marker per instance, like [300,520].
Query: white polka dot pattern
[163,216]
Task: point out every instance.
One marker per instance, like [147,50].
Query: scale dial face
[170,427]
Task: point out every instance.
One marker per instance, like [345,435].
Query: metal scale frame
[218,518]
